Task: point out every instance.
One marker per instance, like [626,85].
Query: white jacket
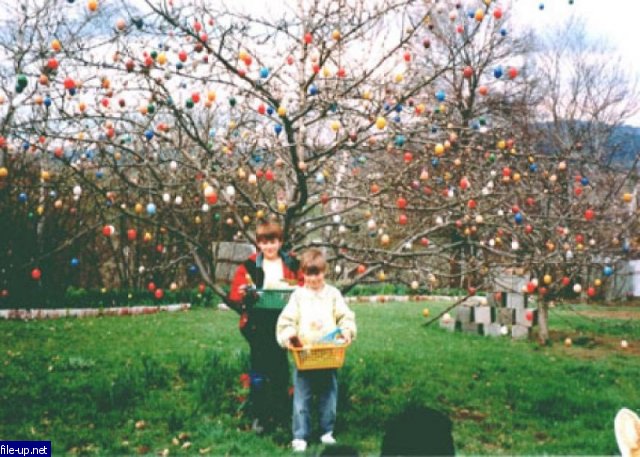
[313,314]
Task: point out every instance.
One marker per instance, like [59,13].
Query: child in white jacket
[314,311]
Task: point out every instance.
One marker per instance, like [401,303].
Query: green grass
[83,384]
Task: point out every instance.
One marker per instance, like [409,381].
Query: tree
[401,136]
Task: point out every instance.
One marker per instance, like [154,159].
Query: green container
[273,298]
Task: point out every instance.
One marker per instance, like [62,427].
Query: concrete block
[472,327]
[516,300]
[464,314]
[506,316]
[492,300]
[484,315]
[473,301]
[493,329]
[510,282]
[520,332]
[527,317]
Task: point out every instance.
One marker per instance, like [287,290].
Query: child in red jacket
[269,370]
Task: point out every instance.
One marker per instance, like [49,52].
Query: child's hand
[294,342]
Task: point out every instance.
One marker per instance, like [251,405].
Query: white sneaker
[299,445]
[328,438]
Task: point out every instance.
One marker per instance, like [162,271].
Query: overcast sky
[614,20]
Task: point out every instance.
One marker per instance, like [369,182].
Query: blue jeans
[306,384]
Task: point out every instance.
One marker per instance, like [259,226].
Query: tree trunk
[543,322]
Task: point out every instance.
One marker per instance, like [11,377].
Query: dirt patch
[594,347]
[626,315]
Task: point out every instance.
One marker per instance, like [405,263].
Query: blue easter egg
[440,95]
[22,197]
[269,110]
[313,90]
[518,218]
[193,269]
[75,262]
[498,72]
[151,209]
[47,102]
[608,271]
[400,140]
[277,128]
[148,134]
[264,72]
[584,181]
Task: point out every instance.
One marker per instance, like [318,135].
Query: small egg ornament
[425,312]
[36,274]
[624,344]
[589,214]
[92,5]
[568,342]
[381,123]
[151,209]
[577,288]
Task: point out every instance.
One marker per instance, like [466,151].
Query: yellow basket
[319,357]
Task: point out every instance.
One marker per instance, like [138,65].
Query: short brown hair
[269,231]
[313,261]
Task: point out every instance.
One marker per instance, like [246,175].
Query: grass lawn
[144,384]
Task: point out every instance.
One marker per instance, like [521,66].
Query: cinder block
[520,332]
[493,329]
[510,282]
[472,327]
[449,325]
[473,301]
[484,315]
[464,314]
[516,300]
[527,317]
[506,316]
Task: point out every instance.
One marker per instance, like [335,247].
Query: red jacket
[253,267]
